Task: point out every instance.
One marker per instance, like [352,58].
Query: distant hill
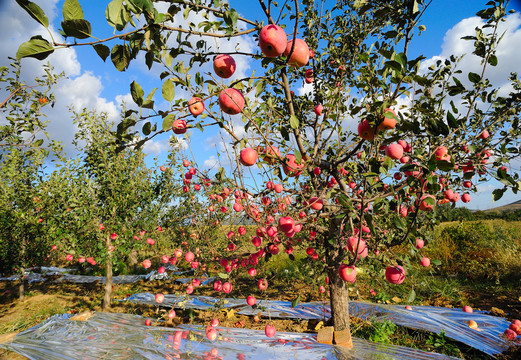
[509,207]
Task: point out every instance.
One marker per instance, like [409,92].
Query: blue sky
[95,84]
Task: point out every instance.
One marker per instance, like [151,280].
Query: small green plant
[440,344]
[380,332]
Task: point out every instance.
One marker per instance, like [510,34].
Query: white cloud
[79,90]
[211,163]
[508,50]
[155,147]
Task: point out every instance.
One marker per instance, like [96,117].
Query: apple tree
[108,203]
[346,195]
[25,148]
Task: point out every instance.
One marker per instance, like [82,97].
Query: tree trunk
[339,300]
[133,258]
[338,290]
[21,287]
[108,283]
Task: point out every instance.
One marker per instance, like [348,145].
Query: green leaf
[492,60]
[398,222]
[116,14]
[473,77]
[35,11]
[37,47]
[298,156]
[223,275]
[168,90]
[436,262]
[102,50]
[394,65]
[149,103]
[137,93]
[295,302]
[77,28]
[344,201]
[402,59]
[147,128]
[497,194]
[293,122]
[141,5]
[72,10]
[444,165]
[412,296]
[120,56]
[451,120]
[415,8]
[230,17]
[168,121]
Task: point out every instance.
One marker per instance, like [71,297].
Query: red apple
[484,135]
[300,55]
[146,263]
[424,206]
[394,151]
[316,203]
[211,334]
[189,256]
[510,334]
[271,154]
[224,65]
[515,326]
[160,298]
[179,126]
[419,243]
[395,274]
[441,153]
[465,198]
[227,287]
[272,40]
[425,262]
[262,284]
[148,322]
[286,224]
[248,156]
[231,101]
[347,273]
[318,109]
[387,123]
[290,166]
[251,300]
[365,130]
[270,330]
[467,309]
[195,106]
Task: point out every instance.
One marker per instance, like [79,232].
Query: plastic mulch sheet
[454,322]
[32,276]
[124,336]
